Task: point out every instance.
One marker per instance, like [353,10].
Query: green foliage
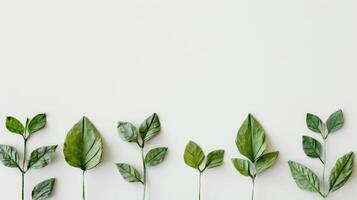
[39,158]
[305,178]
[252,143]
[148,129]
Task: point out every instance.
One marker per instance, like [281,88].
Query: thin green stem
[83,186]
[253,188]
[199,185]
[23,171]
[324,163]
[144,169]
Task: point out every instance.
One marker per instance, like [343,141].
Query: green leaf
[41,157]
[214,159]
[314,123]
[335,121]
[9,156]
[251,140]
[341,172]
[304,177]
[193,155]
[150,127]
[266,161]
[14,125]
[128,132]
[129,173]
[155,156]
[43,190]
[37,123]
[312,147]
[83,147]
[242,166]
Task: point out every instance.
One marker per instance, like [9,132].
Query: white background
[202,65]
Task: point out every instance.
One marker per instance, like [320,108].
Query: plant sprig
[148,129]
[195,157]
[252,143]
[304,177]
[39,158]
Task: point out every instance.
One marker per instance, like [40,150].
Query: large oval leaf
[43,190]
[83,147]
[251,140]
[341,172]
[193,155]
[335,121]
[9,156]
[312,147]
[304,177]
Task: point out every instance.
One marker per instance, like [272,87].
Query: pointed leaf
[14,125]
[193,155]
[312,147]
[127,131]
[43,190]
[155,156]
[335,121]
[9,156]
[214,159]
[266,161]
[83,147]
[150,127]
[251,140]
[37,123]
[129,173]
[341,172]
[304,177]
[314,123]
[242,166]
[41,157]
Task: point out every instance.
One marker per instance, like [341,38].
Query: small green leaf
[193,155]
[304,177]
[14,125]
[242,166]
[9,156]
[341,172]
[150,127]
[129,173]
[335,121]
[251,140]
[41,157]
[43,190]
[128,132]
[83,147]
[312,147]
[266,161]
[214,159]
[37,123]
[314,123]
[155,156]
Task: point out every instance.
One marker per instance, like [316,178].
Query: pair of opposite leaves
[304,177]
[39,158]
[251,142]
